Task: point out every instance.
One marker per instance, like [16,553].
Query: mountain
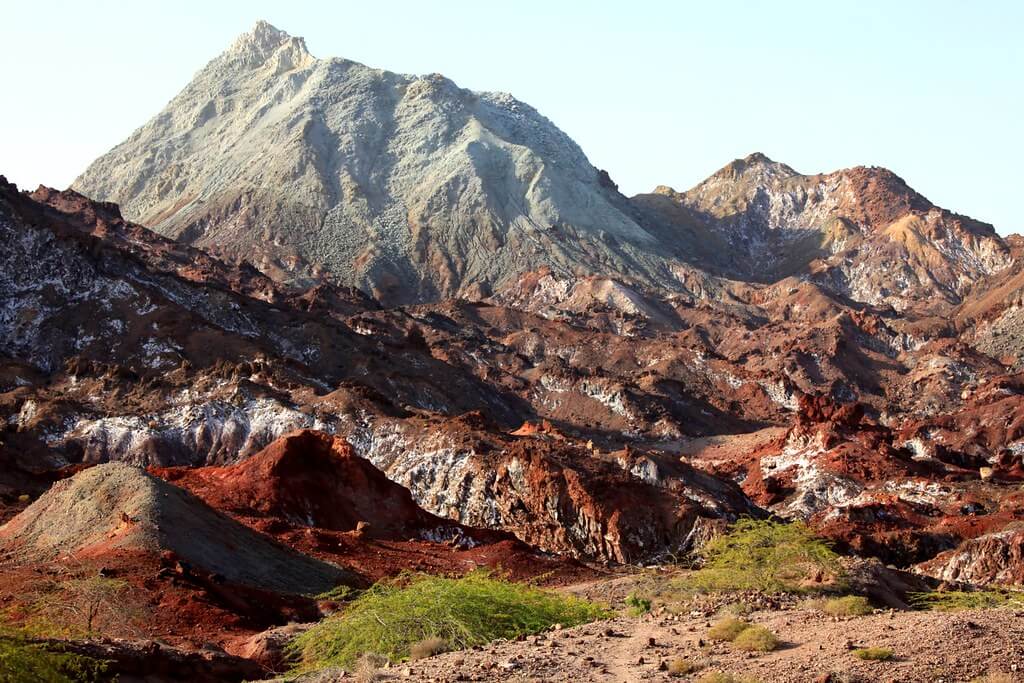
[862,233]
[408,187]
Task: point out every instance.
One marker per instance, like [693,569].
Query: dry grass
[428,647]
[727,629]
[756,639]
[735,609]
[368,666]
[681,666]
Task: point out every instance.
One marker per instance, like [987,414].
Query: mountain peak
[754,164]
[256,46]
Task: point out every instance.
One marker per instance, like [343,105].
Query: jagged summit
[263,44]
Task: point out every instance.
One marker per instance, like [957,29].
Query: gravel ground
[928,646]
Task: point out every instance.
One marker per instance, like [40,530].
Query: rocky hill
[115,507]
[862,232]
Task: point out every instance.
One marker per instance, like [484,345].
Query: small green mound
[21,660]
[727,629]
[756,639]
[391,617]
[954,601]
[767,556]
[847,606]
[873,654]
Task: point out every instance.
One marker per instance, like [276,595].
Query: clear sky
[654,92]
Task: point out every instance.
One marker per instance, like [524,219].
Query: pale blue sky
[654,92]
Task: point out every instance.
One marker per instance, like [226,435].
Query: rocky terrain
[343,324]
[817,648]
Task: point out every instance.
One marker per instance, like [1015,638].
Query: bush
[756,639]
[873,654]
[637,605]
[21,660]
[723,677]
[680,666]
[848,606]
[953,601]
[78,607]
[727,629]
[428,647]
[393,615]
[764,555]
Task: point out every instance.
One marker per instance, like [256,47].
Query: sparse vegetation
[727,629]
[393,615]
[765,555]
[997,677]
[951,601]
[873,654]
[756,639]
[847,606]
[428,647]
[340,593]
[21,660]
[637,605]
[681,666]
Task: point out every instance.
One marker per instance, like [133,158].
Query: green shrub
[637,605]
[764,555]
[756,639]
[21,660]
[873,654]
[393,615]
[952,601]
[727,629]
[847,606]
